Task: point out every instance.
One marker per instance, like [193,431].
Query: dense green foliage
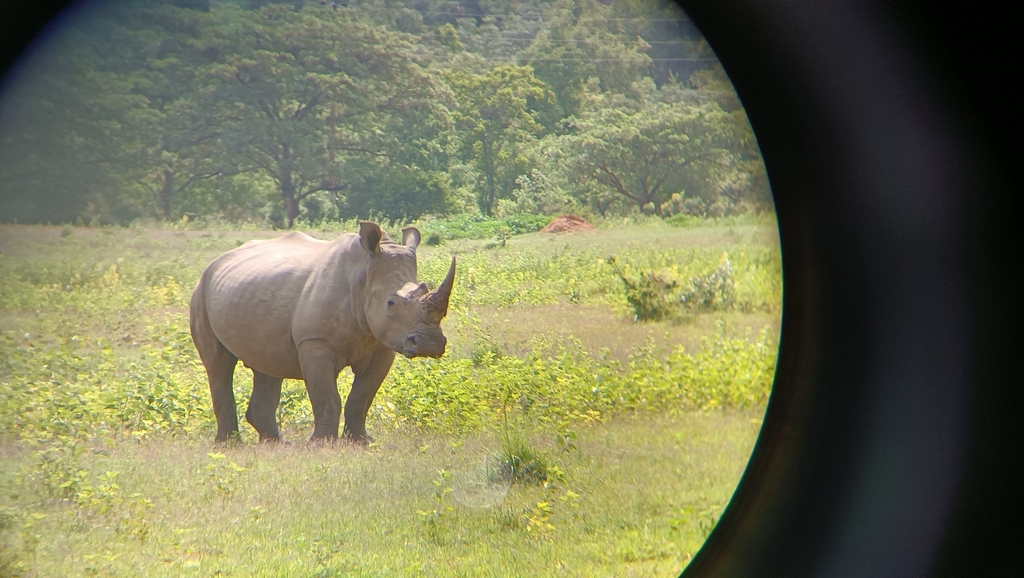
[274,112]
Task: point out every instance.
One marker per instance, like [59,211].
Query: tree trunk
[489,170]
[492,193]
[645,195]
[163,196]
[291,204]
[293,209]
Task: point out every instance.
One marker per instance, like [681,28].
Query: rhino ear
[411,237]
[369,236]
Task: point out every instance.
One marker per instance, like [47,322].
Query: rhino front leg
[320,373]
[262,412]
[364,387]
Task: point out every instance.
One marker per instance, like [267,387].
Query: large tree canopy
[645,155]
[642,151]
[306,95]
[497,117]
[578,45]
[61,130]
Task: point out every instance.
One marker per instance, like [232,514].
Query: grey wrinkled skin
[299,308]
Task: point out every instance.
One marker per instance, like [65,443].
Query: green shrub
[570,386]
[527,276]
[13,555]
[650,295]
[519,461]
[163,392]
[655,296]
[694,215]
[713,291]
[485,350]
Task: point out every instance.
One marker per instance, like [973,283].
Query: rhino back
[251,295]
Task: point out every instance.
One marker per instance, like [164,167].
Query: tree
[393,108]
[108,126]
[319,102]
[645,151]
[571,49]
[62,126]
[497,120]
[182,151]
[178,138]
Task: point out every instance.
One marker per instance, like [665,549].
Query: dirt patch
[568,224]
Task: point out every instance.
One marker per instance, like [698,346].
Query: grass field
[632,435]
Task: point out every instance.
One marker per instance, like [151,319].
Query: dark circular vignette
[893,435]
[892,440]
[20,23]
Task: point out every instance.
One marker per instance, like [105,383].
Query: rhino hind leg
[220,370]
[262,412]
[220,367]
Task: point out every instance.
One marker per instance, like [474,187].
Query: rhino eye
[391,302]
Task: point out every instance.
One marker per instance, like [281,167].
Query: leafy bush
[570,386]
[485,350]
[500,239]
[519,461]
[536,194]
[713,291]
[10,548]
[650,295]
[655,296]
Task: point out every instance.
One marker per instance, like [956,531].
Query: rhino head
[402,312]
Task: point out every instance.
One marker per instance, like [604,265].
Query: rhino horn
[437,300]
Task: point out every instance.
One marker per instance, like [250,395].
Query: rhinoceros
[299,308]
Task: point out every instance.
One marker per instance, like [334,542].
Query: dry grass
[641,484]
[614,240]
[597,327]
[34,241]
